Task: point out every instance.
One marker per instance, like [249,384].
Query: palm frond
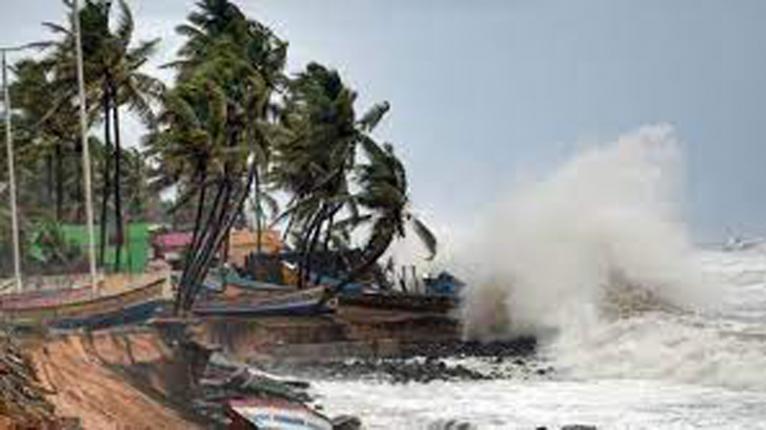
[425,235]
[373,116]
[126,25]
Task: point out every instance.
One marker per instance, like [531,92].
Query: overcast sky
[485,91]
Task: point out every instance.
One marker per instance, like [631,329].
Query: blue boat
[305,302]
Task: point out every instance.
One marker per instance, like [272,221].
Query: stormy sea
[636,326]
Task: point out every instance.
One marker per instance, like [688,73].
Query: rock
[450,425]
[346,422]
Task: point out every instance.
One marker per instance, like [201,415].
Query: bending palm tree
[383,193]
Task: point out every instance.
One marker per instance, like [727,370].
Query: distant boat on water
[738,243]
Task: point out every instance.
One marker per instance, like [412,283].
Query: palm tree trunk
[50,180]
[105,191]
[200,211]
[223,231]
[328,232]
[377,247]
[222,252]
[119,227]
[59,183]
[308,228]
[289,227]
[258,214]
[310,239]
[193,251]
[200,247]
[330,225]
[314,240]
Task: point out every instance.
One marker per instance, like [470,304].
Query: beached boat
[221,279]
[274,413]
[42,298]
[79,307]
[304,302]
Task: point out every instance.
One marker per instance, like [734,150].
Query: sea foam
[606,225]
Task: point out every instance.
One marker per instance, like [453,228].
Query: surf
[595,259]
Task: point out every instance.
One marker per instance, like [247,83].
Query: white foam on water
[595,260]
[506,404]
[644,330]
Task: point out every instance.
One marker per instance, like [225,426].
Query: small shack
[171,246]
[244,242]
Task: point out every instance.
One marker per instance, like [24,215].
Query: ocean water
[643,330]
[656,369]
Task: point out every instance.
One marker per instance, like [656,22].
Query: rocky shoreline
[450,361]
[433,361]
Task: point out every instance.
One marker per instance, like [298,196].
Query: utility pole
[85,148]
[11,172]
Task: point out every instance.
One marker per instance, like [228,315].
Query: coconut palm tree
[124,84]
[219,36]
[315,160]
[201,145]
[50,137]
[235,65]
[383,196]
[113,79]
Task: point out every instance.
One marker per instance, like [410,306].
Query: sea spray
[607,221]
[594,259]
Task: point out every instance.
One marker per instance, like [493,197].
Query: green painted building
[135,251]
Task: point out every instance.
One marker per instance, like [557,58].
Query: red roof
[172,240]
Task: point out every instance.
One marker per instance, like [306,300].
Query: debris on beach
[233,393]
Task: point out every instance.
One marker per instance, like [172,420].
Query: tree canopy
[232,138]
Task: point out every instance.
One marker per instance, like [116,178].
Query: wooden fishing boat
[75,308]
[275,413]
[42,298]
[221,279]
[304,302]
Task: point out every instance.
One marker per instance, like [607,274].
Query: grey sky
[485,91]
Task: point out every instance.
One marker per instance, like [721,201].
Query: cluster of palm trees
[47,132]
[234,138]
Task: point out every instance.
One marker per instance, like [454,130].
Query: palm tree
[113,79]
[235,65]
[201,147]
[189,142]
[384,196]
[124,83]
[219,36]
[50,136]
[315,159]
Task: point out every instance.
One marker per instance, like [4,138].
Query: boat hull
[130,306]
[307,302]
[133,314]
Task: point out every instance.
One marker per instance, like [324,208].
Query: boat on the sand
[82,308]
[310,301]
